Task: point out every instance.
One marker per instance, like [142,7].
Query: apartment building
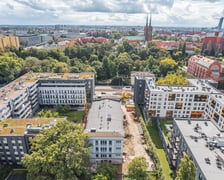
[199,100]
[23,97]
[105,129]
[203,142]
[15,135]
[8,41]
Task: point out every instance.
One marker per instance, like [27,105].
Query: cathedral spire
[147,20]
[150,20]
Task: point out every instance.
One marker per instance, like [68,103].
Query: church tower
[148,29]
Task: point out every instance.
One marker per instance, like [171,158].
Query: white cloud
[109,12]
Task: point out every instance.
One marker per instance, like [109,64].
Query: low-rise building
[204,144]
[15,135]
[105,129]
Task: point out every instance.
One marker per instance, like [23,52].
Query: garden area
[72,115]
[154,134]
[155,148]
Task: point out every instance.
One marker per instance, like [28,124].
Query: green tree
[100,177]
[10,67]
[107,169]
[47,114]
[32,63]
[173,79]
[137,169]
[186,169]
[59,152]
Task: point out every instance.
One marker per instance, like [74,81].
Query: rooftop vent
[5,125]
[93,130]
[11,130]
[207,160]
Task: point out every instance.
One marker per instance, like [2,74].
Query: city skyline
[180,13]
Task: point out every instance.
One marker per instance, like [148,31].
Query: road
[133,144]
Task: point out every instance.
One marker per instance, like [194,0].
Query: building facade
[213,44]
[15,135]
[199,100]
[23,97]
[9,41]
[105,129]
[29,40]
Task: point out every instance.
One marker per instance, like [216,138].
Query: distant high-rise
[148,29]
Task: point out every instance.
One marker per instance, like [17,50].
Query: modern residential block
[199,100]
[23,97]
[15,135]
[204,144]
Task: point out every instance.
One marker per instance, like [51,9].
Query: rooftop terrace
[196,85]
[20,126]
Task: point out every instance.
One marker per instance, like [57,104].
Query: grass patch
[154,134]
[166,132]
[73,116]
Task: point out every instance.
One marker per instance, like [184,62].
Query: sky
[180,13]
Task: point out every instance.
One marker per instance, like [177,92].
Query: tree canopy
[59,152]
[137,169]
[107,169]
[186,169]
[173,79]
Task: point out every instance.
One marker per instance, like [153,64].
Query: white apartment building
[105,129]
[23,97]
[199,100]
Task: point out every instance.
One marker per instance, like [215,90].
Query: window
[103,142]
[96,142]
[110,142]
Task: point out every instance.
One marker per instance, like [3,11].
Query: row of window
[107,155]
[105,142]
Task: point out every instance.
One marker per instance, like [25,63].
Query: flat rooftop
[105,117]
[18,86]
[13,127]
[196,85]
[198,147]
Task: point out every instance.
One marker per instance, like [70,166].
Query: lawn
[154,134]
[74,116]
[166,132]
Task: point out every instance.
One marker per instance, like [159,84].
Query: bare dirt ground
[133,143]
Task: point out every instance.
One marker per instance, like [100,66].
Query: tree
[32,63]
[137,169]
[186,169]
[47,114]
[100,177]
[59,152]
[107,169]
[10,67]
[173,79]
